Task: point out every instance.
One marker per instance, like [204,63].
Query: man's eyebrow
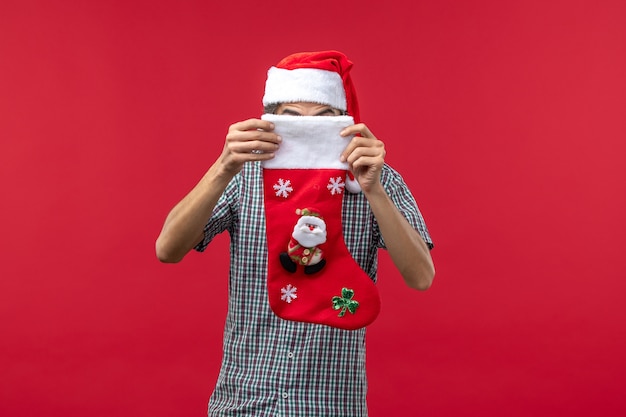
[326,110]
[290,112]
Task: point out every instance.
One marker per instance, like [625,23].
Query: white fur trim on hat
[304,85]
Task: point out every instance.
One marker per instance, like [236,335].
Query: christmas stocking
[312,277]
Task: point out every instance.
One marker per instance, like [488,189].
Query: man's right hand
[184,225]
[247,141]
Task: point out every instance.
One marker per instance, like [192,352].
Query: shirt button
[305,259]
[306,251]
[285,395]
[290,355]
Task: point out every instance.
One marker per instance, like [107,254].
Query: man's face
[307,109]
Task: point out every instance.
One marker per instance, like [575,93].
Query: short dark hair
[271,108]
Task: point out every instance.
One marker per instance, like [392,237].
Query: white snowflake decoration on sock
[283,188]
[336,185]
[288,293]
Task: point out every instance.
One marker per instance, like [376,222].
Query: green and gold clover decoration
[345,302]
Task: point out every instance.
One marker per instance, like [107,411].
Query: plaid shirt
[275,367]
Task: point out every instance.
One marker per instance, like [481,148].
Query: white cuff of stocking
[309,142]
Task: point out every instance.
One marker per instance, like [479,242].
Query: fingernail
[279,138]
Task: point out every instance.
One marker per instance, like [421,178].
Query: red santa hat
[316,77]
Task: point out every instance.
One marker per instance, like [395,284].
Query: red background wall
[505,117]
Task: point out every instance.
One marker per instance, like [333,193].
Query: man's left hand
[365,155]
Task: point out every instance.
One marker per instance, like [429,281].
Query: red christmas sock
[312,276]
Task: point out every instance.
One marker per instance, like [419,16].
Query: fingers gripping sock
[312,276]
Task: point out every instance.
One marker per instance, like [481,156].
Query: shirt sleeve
[224,214]
[402,198]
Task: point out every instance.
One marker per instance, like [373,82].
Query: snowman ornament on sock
[303,249]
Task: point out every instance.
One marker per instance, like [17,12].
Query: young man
[280,358]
